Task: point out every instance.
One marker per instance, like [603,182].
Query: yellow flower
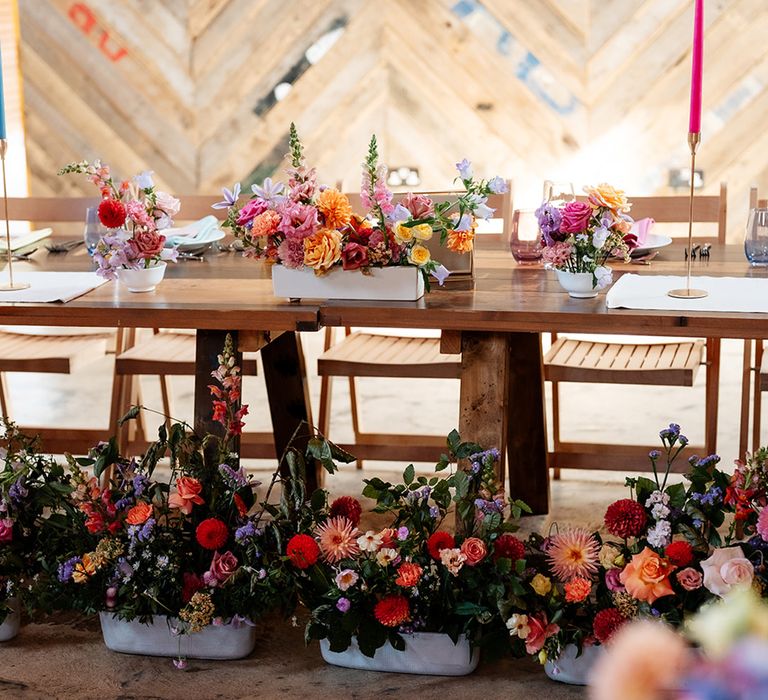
[84,569]
[606,196]
[322,250]
[422,232]
[611,557]
[403,233]
[419,255]
[541,584]
[335,208]
[542,657]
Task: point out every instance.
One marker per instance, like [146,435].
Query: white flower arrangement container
[143,279]
[10,627]
[399,283]
[571,668]
[158,639]
[426,653]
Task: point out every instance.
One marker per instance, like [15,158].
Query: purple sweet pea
[402,533]
[343,605]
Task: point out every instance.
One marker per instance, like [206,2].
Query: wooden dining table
[496,326]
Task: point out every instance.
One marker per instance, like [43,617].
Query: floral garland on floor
[305,225]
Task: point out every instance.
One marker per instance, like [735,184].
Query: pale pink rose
[6,530]
[725,568]
[222,567]
[419,205]
[167,203]
[474,550]
[689,579]
[540,631]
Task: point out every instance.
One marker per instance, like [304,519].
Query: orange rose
[322,250]
[139,514]
[606,196]
[335,208]
[474,550]
[646,577]
[188,494]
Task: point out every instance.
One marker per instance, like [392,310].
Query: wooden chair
[755,373]
[673,363]
[48,350]
[363,353]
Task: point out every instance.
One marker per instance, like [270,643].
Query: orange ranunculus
[646,577]
[139,514]
[322,250]
[188,494]
[460,241]
[605,195]
[335,208]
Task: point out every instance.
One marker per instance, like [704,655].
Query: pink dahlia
[337,538]
[573,553]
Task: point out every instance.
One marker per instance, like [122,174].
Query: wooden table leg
[286,379]
[526,432]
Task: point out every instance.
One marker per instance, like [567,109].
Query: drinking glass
[93,229]
[525,237]
[558,192]
[756,240]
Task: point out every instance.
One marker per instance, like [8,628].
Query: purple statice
[654,454]
[704,462]
[343,605]
[67,568]
[140,483]
[549,218]
[713,496]
[670,433]
[145,533]
[434,512]
[246,532]
[18,491]
[234,478]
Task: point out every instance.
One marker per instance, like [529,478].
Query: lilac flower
[18,492]
[343,605]
[146,530]
[269,191]
[440,273]
[230,197]
[465,169]
[67,568]
[497,185]
[140,483]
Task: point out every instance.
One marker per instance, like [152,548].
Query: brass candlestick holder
[694,138]
[11,286]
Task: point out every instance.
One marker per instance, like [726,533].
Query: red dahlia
[437,541]
[509,547]
[212,533]
[347,507]
[302,551]
[625,518]
[606,623]
[112,213]
[680,553]
[392,611]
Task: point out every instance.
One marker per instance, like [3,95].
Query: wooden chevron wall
[583,90]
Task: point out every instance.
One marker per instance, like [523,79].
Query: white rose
[725,568]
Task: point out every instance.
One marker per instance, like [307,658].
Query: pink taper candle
[697,63]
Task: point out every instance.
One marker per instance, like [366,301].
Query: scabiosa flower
[625,518]
[347,507]
[337,538]
[302,551]
[212,533]
[392,611]
[577,590]
[508,546]
[606,623]
[680,553]
[573,553]
[343,605]
[438,541]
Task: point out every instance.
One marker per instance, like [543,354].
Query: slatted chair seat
[363,354]
[660,364]
[53,354]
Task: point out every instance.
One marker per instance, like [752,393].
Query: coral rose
[725,568]
[139,514]
[408,575]
[335,208]
[322,250]
[576,216]
[188,494]
[540,629]
[392,611]
[474,550]
[149,244]
[438,541]
[606,196]
[646,577]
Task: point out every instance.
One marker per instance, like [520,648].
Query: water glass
[558,192]
[525,237]
[93,229]
[756,240]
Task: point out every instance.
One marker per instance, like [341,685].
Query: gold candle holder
[694,138]
[11,286]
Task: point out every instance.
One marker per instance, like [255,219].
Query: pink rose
[6,530]
[419,205]
[222,567]
[613,580]
[725,568]
[354,256]
[148,243]
[250,210]
[540,631]
[689,579]
[474,550]
[575,217]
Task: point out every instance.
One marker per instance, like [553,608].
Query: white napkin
[50,286]
[191,233]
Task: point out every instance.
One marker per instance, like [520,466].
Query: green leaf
[453,440]
[409,474]
[318,500]
[133,411]
[461,483]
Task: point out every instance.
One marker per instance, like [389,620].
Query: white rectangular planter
[426,653]
[156,639]
[10,627]
[404,283]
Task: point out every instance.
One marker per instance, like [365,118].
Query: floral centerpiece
[135,213]
[579,237]
[304,225]
[663,556]
[373,591]
[186,547]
